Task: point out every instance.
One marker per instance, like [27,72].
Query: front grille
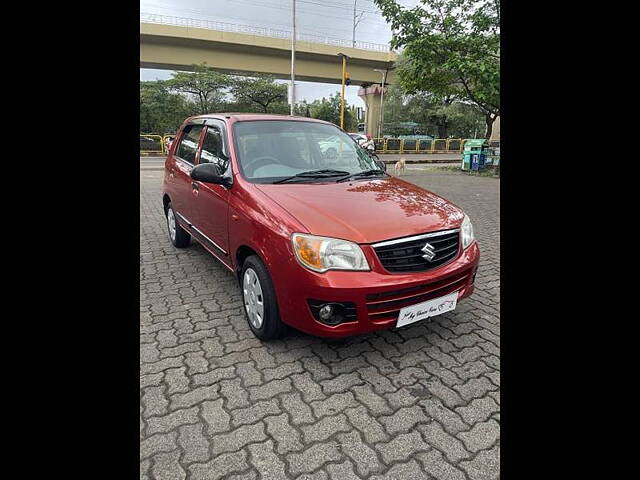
[386,305]
[408,256]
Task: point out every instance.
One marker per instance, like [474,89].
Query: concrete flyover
[176,47]
[174,43]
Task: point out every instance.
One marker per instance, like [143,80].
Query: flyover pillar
[495,130]
[371,96]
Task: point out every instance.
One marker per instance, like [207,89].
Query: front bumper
[377,294]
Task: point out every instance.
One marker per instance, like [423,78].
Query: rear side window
[189,143]
[212,149]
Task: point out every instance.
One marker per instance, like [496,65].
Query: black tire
[181,238]
[271,326]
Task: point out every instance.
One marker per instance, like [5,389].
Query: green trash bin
[474,147]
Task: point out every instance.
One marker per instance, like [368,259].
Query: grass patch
[486,172]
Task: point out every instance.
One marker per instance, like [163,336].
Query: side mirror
[209,173]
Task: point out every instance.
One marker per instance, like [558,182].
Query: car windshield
[270,151]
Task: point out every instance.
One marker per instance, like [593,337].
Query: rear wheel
[259,298]
[179,237]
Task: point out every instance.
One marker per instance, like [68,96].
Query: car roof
[246,117]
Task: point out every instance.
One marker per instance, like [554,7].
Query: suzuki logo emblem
[429,252]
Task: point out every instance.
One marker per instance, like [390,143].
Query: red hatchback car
[318,236]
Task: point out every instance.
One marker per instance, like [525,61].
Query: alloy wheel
[253,298]
[171,223]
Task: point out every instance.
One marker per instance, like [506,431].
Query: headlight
[322,253]
[467,232]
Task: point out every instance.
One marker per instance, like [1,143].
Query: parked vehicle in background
[330,147]
[331,246]
[367,143]
[167,143]
[359,137]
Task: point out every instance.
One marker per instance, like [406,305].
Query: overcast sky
[326,17]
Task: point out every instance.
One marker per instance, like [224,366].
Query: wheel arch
[242,252]
[166,199]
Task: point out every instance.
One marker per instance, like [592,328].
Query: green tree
[262,91]
[204,85]
[439,118]
[160,110]
[302,109]
[329,110]
[465,121]
[451,50]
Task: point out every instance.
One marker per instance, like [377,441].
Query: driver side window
[212,148]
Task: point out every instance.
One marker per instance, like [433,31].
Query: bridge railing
[259,31]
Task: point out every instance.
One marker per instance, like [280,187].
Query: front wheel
[259,298]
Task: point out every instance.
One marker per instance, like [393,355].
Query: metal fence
[437,145]
[154,144]
[259,31]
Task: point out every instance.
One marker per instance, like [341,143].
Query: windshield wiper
[364,173]
[324,173]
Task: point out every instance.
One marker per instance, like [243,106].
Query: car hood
[365,211]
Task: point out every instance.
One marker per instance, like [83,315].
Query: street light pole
[293,61]
[356,21]
[353,40]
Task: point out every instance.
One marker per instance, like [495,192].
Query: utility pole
[356,21]
[344,75]
[353,40]
[293,61]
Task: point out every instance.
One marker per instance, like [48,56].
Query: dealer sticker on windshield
[427,309]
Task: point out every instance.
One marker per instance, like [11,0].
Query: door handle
[195,189]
